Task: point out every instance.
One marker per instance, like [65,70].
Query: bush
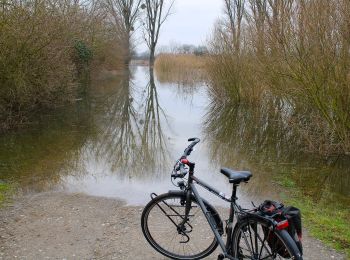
[43,47]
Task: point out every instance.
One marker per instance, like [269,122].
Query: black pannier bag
[293,215]
[279,212]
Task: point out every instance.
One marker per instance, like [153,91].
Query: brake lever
[182,169]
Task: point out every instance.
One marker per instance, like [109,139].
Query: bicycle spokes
[259,242]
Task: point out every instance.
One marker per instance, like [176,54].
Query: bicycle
[173,223]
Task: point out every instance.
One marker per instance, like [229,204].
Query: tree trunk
[127,50]
[151,56]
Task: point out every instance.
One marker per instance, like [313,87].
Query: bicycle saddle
[236,177]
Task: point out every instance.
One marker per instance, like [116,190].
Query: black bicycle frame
[192,189]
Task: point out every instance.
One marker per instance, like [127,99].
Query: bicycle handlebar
[189,149]
[179,166]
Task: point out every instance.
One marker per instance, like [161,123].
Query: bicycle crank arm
[221,257]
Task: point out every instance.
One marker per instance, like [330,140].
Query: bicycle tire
[198,236]
[271,244]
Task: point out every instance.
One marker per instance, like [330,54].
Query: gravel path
[76,226]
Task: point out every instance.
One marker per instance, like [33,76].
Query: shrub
[295,51]
[43,47]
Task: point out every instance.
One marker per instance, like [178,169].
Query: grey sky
[191,22]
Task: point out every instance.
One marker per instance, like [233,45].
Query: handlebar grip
[189,149]
[175,176]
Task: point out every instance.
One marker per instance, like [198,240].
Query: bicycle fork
[181,229]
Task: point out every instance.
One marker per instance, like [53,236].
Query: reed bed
[180,68]
[296,51]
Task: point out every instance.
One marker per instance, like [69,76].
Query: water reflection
[122,139]
[258,132]
[34,157]
[185,78]
[259,138]
[141,131]
[130,128]
[115,131]
[153,139]
[118,127]
[131,141]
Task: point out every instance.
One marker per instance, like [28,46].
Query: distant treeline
[174,48]
[177,48]
[46,47]
[295,52]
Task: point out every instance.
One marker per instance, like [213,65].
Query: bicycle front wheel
[161,225]
[253,239]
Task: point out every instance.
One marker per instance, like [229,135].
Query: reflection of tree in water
[132,138]
[250,130]
[109,128]
[259,137]
[153,143]
[119,127]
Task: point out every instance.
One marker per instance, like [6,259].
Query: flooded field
[123,139]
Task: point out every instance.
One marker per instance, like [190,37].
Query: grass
[6,191]
[324,221]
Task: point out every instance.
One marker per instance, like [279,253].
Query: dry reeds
[183,68]
[295,50]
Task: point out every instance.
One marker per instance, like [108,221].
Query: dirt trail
[76,226]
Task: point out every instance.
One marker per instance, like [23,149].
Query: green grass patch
[6,192]
[326,221]
[284,181]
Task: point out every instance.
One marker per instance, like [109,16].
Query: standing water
[123,140]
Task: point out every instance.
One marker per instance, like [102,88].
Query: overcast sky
[191,22]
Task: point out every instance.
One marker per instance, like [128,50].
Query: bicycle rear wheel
[253,239]
[160,225]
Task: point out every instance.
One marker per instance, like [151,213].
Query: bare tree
[234,9]
[258,10]
[156,14]
[125,13]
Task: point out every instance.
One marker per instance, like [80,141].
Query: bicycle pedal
[221,257]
